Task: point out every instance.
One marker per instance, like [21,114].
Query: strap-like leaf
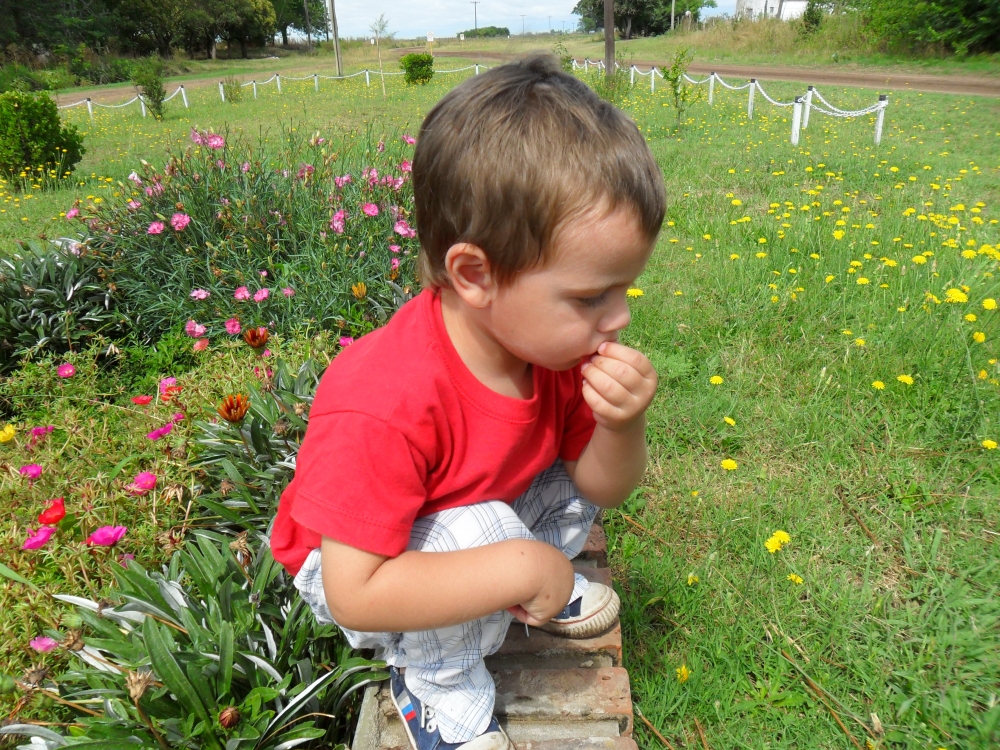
[226,647]
[8,573]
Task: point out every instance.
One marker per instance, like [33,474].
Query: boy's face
[556,314]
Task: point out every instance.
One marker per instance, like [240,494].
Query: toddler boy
[455,458]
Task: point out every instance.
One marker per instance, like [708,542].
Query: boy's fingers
[607,386]
[633,357]
[619,371]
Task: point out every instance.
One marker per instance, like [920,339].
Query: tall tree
[247,21]
[637,17]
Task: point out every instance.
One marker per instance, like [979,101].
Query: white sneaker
[588,615]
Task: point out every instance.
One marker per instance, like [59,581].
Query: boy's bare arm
[427,590]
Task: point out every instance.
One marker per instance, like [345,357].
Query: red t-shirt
[401,428]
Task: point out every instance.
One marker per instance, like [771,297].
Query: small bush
[32,135]
[147,76]
[419,67]
[813,16]
[232,87]
[486,32]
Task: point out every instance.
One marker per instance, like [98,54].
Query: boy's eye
[591,301]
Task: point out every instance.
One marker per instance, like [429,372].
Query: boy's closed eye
[594,301]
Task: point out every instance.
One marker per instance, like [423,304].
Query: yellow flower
[729,421]
[692,579]
[737,202]
[760,255]
[762,240]
[795,579]
[956,296]
[772,545]
[905,379]
[989,445]
[729,464]
[878,385]
[989,304]
[706,236]
[774,299]
[839,234]
[716,380]
[979,337]
[859,342]
[919,259]
[683,673]
[828,279]
[782,536]
[862,280]
[734,256]
[359,290]
[971,317]
[7,433]
[634,292]
[983,374]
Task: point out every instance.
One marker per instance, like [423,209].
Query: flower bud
[229,717]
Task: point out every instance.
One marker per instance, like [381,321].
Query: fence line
[802,106]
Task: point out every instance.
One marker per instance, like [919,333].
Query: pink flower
[141,400]
[179,221]
[305,170]
[242,293]
[155,228]
[135,178]
[197,137]
[201,294]
[160,431]
[38,539]
[261,294]
[233,326]
[43,644]
[66,370]
[166,384]
[194,330]
[245,167]
[288,291]
[214,141]
[106,536]
[220,164]
[395,263]
[409,139]
[341,181]
[394,248]
[54,512]
[263,274]
[370,209]
[346,340]
[178,417]
[31,471]
[200,345]
[123,559]
[404,230]
[266,353]
[381,146]
[338,220]
[406,166]
[73,213]
[142,483]
[134,205]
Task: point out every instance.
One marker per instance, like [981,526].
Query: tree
[247,21]
[292,14]
[637,17]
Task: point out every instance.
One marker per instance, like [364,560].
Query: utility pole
[309,40]
[673,7]
[336,36]
[609,39]
[475,15]
[550,24]
[522,24]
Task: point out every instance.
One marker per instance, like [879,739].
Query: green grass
[889,496]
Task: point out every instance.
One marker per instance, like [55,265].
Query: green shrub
[419,67]
[147,76]
[813,16]
[232,88]
[53,298]
[486,32]
[31,135]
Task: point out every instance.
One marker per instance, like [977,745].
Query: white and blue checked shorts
[444,667]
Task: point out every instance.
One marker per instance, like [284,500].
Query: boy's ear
[471,274]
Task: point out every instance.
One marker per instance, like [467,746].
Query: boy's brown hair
[507,157]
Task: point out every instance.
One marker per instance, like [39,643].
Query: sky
[447,17]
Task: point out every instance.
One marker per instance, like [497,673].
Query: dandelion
[990,445]
[692,579]
[863,281]
[729,464]
[194,330]
[797,580]
[878,385]
[261,294]
[634,292]
[776,541]
[838,234]
[905,379]
[729,421]
[242,294]
[737,202]
[734,256]
[106,536]
[200,294]
[829,278]
[716,380]
[42,644]
[859,342]
[178,221]
[233,326]
[970,317]
[7,433]
[956,296]
[683,673]
[919,259]
[155,228]
[54,512]
[369,209]
[989,304]
[979,337]
[38,539]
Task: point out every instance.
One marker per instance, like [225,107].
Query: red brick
[596,546]
[544,650]
[590,743]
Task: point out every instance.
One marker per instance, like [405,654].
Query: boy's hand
[554,586]
[618,384]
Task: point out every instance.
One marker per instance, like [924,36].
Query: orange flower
[256,337]
[234,407]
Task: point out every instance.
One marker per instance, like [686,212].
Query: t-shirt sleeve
[359,481]
[579,421]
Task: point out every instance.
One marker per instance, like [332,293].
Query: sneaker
[587,616]
[421,724]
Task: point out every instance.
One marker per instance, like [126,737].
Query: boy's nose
[617,318]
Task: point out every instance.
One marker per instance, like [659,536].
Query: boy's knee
[468,527]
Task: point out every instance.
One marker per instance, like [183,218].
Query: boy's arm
[619,384]
[428,590]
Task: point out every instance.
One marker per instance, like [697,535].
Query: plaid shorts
[444,667]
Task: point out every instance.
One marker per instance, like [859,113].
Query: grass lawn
[825,325]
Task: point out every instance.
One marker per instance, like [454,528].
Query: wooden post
[609,38]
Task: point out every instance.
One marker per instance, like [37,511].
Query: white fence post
[254,89]
[796,120]
[586,62]
[711,88]
[184,97]
[222,92]
[315,81]
[631,76]
[753,87]
[278,79]
[652,79]
[142,106]
[477,68]
[90,110]
[368,80]
[883,100]
[808,107]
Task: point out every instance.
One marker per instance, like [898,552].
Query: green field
[825,326]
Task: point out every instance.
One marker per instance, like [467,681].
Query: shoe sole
[591,625]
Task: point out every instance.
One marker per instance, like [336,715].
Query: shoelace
[428,719]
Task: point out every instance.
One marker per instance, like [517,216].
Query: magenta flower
[242,293]
[66,370]
[395,263]
[201,294]
[346,340]
[263,274]
[43,644]
[178,417]
[261,294]
[404,230]
[194,330]
[38,539]
[73,213]
[31,471]
[142,483]
[369,209]
[406,166]
[197,137]
[123,559]
[134,205]
[160,431]
[394,248]
[305,171]
[155,228]
[106,536]
[341,181]
[167,383]
[214,141]
[409,139]
[135,178]
[178,221]
[338,220]
[245,167]
[288,291]
[233,326]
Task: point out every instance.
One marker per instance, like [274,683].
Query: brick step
[590,743]
[537,649]
[595,549]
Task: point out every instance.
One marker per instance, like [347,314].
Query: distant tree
[292,14]
[246,22]
[486,32]
[960,26]
[637,17]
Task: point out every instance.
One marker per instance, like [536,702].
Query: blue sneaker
[587,616]
[421,724]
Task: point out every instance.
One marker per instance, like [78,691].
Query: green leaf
[225,660]
[121,465]
[8,573]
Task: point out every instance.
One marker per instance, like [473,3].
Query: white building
[786,10]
